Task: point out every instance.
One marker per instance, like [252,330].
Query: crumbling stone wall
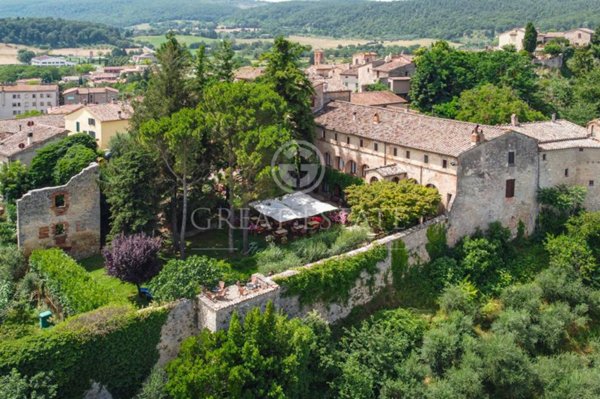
[66,216]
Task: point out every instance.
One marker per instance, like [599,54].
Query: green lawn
[122,292]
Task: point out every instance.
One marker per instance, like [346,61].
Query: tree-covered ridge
[58,33]
[447,19]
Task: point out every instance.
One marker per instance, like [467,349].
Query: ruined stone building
[65,216]
[483,173]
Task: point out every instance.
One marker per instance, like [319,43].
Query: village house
[579,37]
[483,173]
[101,121]
[20,139]
[18,99]
[47,60]
[85,95]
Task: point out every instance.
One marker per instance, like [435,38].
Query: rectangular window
[567,172]
[426,158]
[444,164]
[348,140]
[407,154]
[33,95]
[510,188]
[323,134]
[77,127]
[91,122]
[580,149]
[591,183]
[543,157]
[361,142]
[395,152]
[511,158]
[375,146]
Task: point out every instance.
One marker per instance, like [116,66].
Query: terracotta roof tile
[17,125]
[407,129]
[64,109]
[548,131]
[565,144]
[90,90]
[110,112]
[389,170]
[376,98]
[17,142]
[394,64]
[28,88]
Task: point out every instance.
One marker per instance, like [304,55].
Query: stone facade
[66,216]
[483,193]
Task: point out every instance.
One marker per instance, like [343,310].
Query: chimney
[476,136]
[319,57]
[29,137]
[376,118]
[514,120]
[553,117]
[20,127]
[119,113]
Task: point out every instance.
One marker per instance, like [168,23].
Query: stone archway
[373,179]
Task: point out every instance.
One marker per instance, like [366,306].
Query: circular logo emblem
[296,166]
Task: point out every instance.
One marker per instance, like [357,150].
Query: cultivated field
[315,42]
[8,52]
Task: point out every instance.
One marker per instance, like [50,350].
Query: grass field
[315,42]
[8,52]
[122,292]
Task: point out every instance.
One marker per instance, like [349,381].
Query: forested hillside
[58,33]
[122,13]
[447,19]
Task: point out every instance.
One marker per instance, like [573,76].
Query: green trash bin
[45,319]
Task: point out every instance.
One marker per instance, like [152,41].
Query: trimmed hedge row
[67,282]
[113,345]
[332,280]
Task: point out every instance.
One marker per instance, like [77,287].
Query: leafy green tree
[493,105]
[44,162]
[596,36]
[582,62]
[29,114]
[132,188]
[168,91]
[74,161]
[387,205]
[283,72]
[186,278]
[24,56]
[17,386]
[201,67]
[558,204]
[14,181]
[183,144]
[573,253]
[530,39]
[265,356]
[247,124]
[377,87]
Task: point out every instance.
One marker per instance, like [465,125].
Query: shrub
[14,181]
[154,385]
[350,238]
[387,205]
[67,282]
[12,263]
[461,297]
[437,242]
[114,346]
[276,259]
[133,259]
[185,278]
[74,161]
[335,178]
[399,262]
[16,386]
[332,280]
[266,356]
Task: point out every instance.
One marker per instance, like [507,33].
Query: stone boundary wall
[216,315]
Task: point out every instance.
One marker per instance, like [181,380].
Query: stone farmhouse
[483,173]
[366,69]
[579,37]
[20,139]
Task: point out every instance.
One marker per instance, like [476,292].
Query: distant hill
[447,19]
[59,33]
[123,12]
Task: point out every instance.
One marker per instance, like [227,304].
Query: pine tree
[223,63]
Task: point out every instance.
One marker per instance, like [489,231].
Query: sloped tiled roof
[64,109]
[548,131]
[110,112]
[565,144]
[248,73]
[90,90]
[28,88]
[407,129]
[394,64]
[17,142]
[389,170]
[376,98]
[17,125]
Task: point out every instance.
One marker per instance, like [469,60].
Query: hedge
[113,345]
[67,282]
[332,280]
[334,178]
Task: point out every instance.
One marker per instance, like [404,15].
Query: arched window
[364,170]
[373,179]
[327,159]
[396,179]
[352,167]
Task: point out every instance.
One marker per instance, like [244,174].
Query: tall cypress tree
[530,39]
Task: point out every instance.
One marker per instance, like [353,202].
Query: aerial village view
[328,199]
